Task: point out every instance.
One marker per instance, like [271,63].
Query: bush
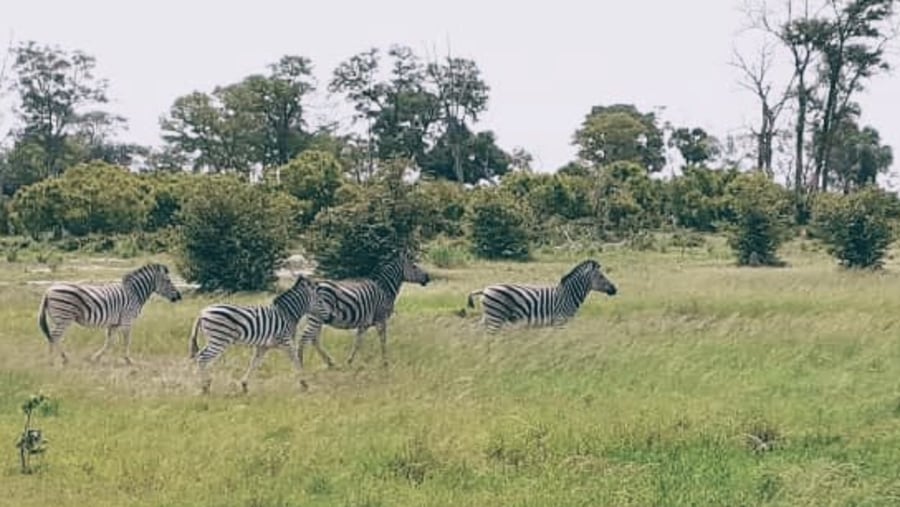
[88,198]
[233,235]
[627,200]
[698,199]
[855,228]
[443,204]
[761,209]
[313,178]
[500,226]
[169,191]
[373,222]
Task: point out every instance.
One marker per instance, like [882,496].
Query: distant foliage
[233,235]
[857,227]
[697,199]
[313,178]
[373,222]
[500,226]
[443,206]
[88,198]
[761,209]
[626,199]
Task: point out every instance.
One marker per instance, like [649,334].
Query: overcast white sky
[547,63]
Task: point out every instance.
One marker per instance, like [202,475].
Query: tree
[233,235]
[621,133]
[852,50]
[462,95]
[313,178]
[756,80]
[55,88]
[857,157]
[695,145]
[257,121]
[474,157]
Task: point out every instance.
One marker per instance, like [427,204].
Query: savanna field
[700,383]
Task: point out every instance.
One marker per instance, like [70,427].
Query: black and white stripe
[112,306]
[542,305]
[360,304]
[263,327]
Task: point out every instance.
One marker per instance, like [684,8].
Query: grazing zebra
[359,304]
[113,306]
[542,305]
[263,327]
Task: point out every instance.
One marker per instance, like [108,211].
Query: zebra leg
[382,337]
[357,341]
[110,333]
[293,352]
[258,353]
[56,334]
[126,337]
[206,356]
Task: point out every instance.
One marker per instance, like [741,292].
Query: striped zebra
[263,327]
[541,305]
[360,304]
[113,306]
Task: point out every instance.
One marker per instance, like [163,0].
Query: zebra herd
[356,304]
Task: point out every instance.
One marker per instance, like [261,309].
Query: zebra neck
[389,279]
[289,305]
[574,292]
[139,292]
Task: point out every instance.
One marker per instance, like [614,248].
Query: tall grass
[699,384]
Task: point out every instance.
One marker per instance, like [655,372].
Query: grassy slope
[645,399]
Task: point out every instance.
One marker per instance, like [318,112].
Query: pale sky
[546,63]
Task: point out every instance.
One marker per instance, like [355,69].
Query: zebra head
[599,281]
[412,273]
[163,284]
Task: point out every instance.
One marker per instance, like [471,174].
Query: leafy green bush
[443,204]
[233,235]
[697,199]
[313,178]
[373,222]
[856,228]
[761,211]
[500,226]
[627,200]
[88,198]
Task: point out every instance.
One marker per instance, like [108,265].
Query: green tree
[233,235]
[695,145]
[500,225]
[313,178]
[621,133]
[372,222]
[56,90]
[856,228]
[258,120]
[761,211]
[857,157]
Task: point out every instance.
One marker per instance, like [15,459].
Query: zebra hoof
[244,387]
[128,361]
[303,385]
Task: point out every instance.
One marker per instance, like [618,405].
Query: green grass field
[699,384]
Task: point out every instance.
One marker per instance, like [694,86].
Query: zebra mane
[284,296]
[582,267]
[153,267]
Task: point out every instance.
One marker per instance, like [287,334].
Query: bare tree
[755,77]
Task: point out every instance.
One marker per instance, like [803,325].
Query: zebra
[360,304]
[541,305]
[113,306]
[263,327]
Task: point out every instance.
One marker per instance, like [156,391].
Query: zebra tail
[471,301]
[42,318]
[195,349]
